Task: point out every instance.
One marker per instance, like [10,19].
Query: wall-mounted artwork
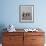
[26,13]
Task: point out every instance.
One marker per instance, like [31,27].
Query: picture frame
[26,13]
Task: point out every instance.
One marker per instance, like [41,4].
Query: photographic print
[26,13]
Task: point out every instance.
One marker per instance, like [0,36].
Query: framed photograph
[26,13]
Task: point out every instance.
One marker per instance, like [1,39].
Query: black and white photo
[26,13]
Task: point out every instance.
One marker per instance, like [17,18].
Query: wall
[10,13]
